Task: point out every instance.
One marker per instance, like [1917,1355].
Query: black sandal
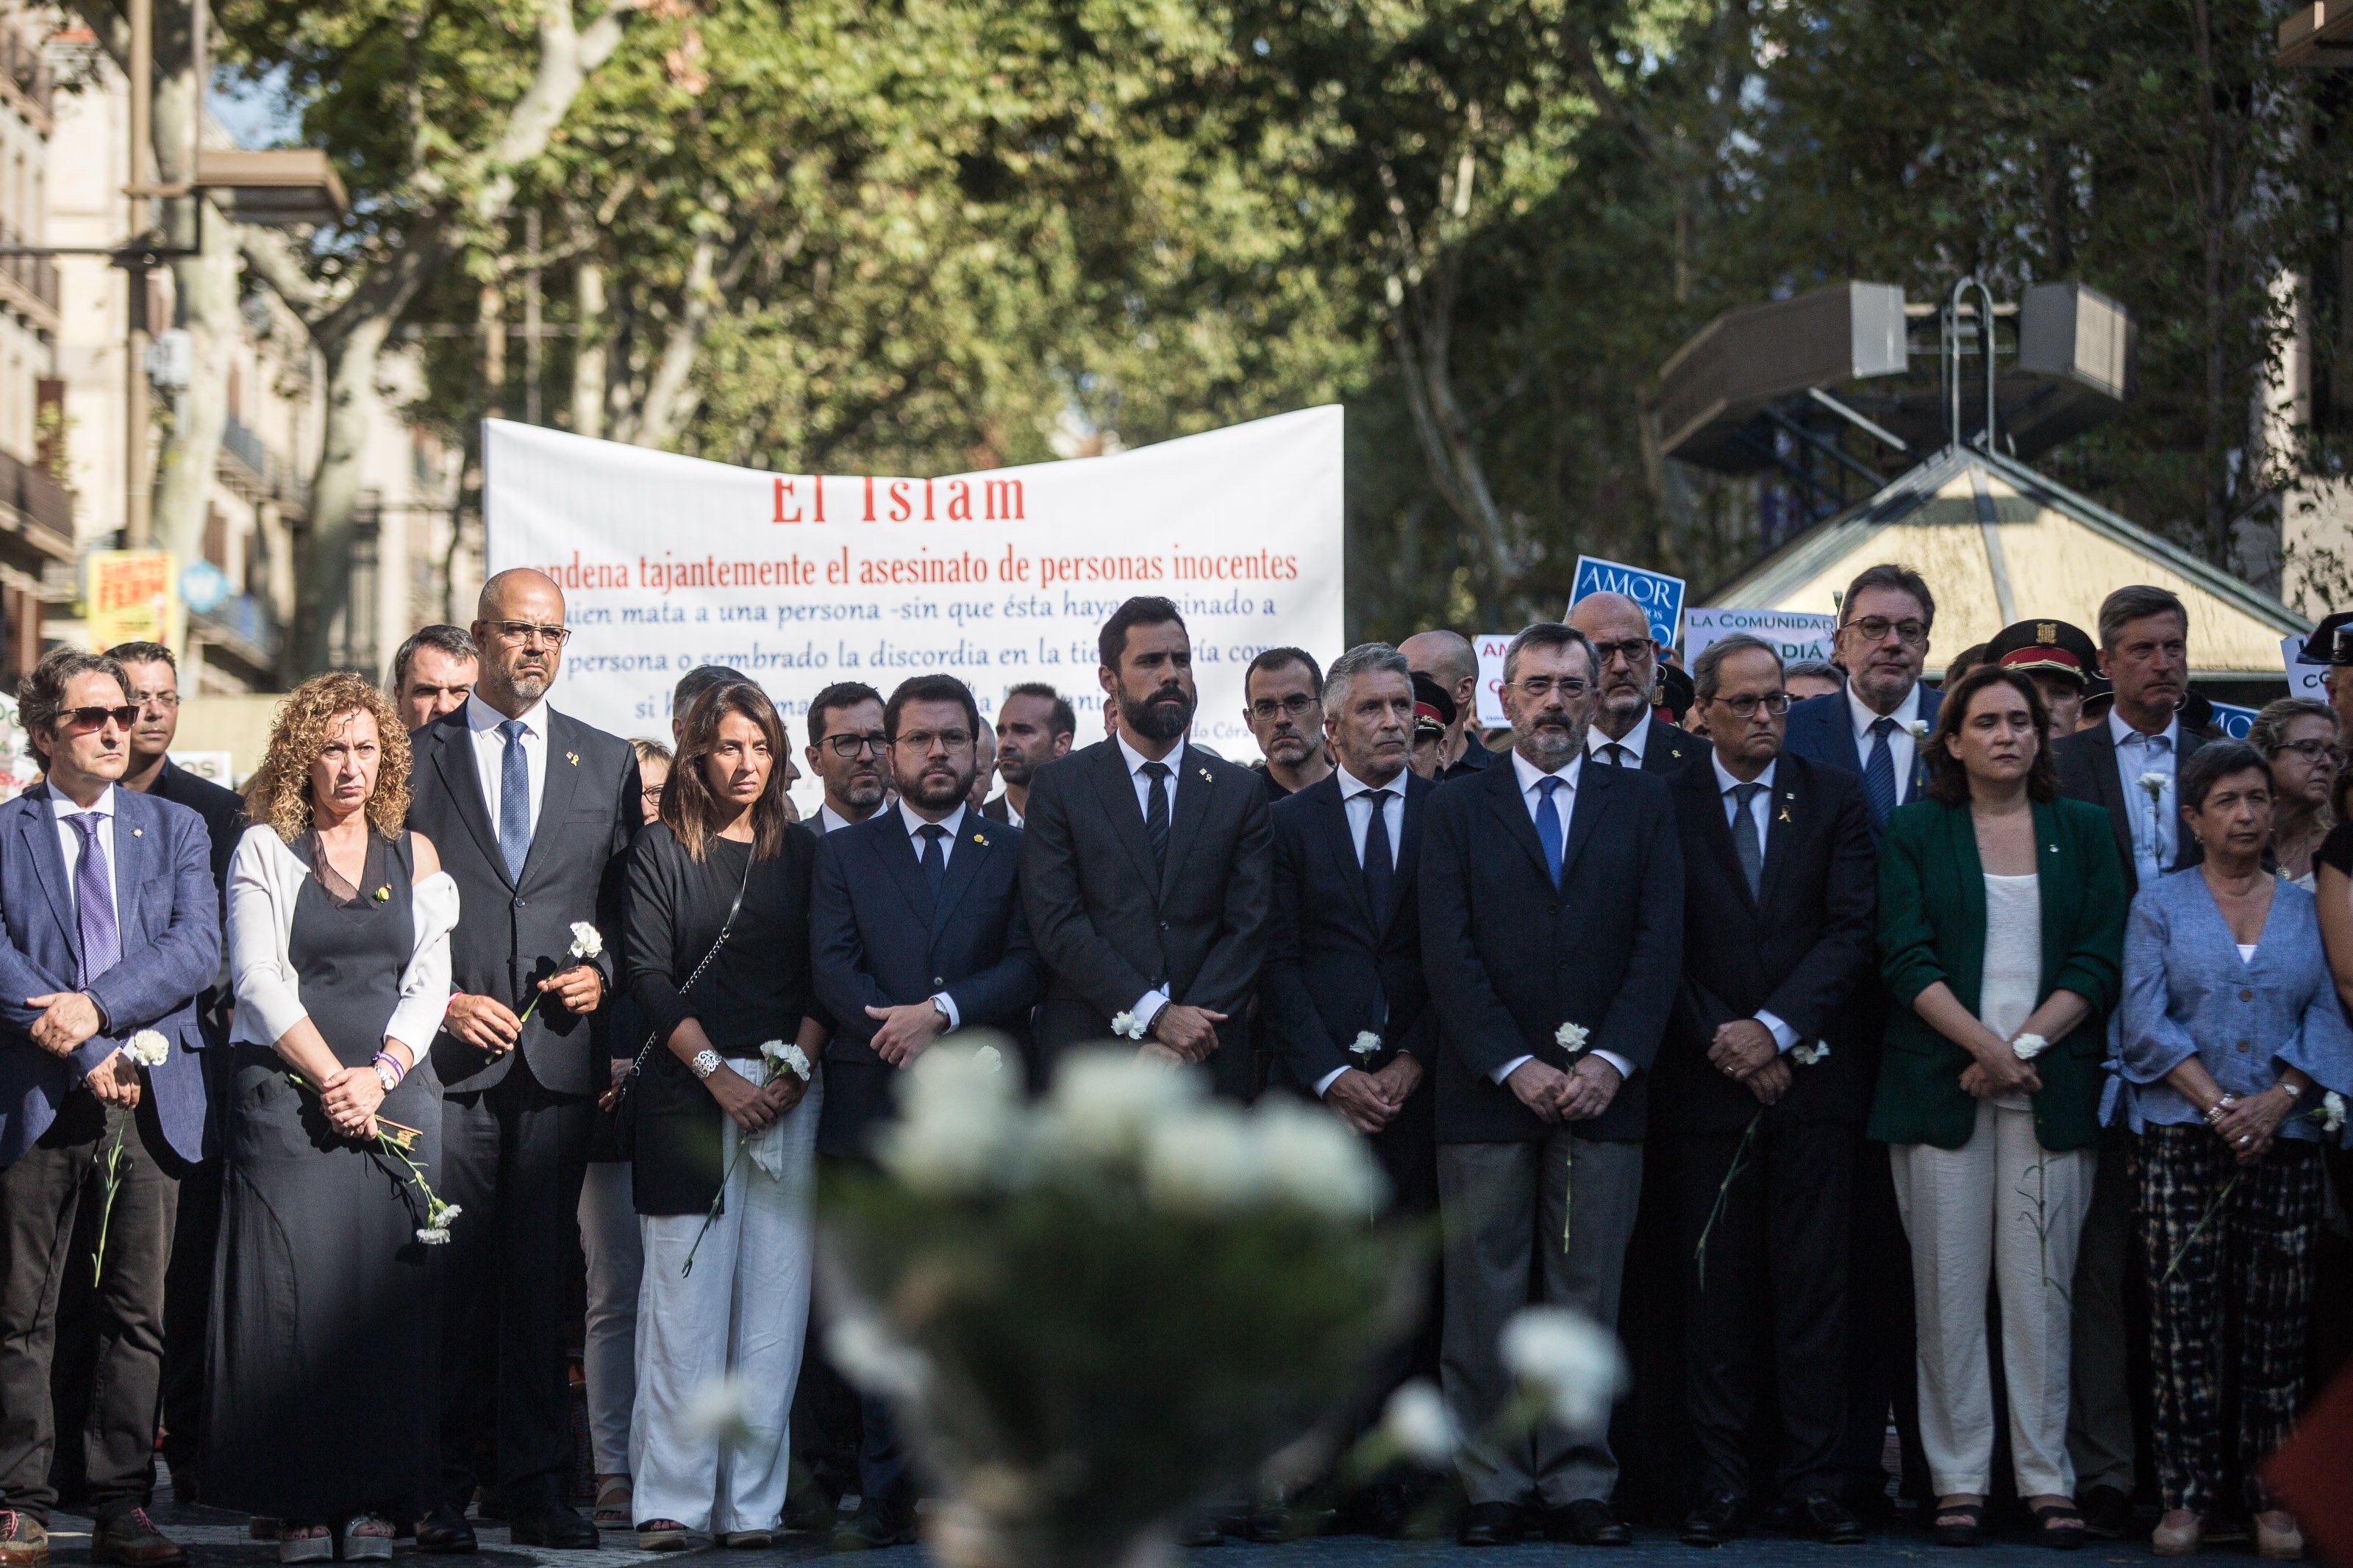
[2050,1529]
[1970,1534]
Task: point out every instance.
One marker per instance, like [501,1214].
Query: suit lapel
[1117,790]
[453,758]
[1592,781]
[1702,782]
[1332,817]
[1512,810]
[38,829]
[133,818]
[1190,803]
[555,791]
[1786,805]
[1409,853]
[973,846]
[2111,796]
[905,865]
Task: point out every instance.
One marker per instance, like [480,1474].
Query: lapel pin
[572,757]
[138,833]
[1205,778]
[1784,812]
[980,838]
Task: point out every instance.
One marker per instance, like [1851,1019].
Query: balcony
[36,509]
[251,468]
[25,77]
[242,636]
[30,281]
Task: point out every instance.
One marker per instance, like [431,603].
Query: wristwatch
[385,1076]
[704,1064]
[942,1009]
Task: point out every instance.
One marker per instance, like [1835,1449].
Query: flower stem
[1724,1195]
[2203,1220]
[114,1184]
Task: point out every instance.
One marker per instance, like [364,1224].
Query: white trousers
[739,1318]
[608,1235]
[1998,1207]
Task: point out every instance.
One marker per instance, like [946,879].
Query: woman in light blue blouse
[2228,1041]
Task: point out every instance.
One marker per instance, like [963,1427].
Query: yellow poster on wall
[132,595]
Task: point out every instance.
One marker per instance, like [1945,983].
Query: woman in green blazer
[2001,916]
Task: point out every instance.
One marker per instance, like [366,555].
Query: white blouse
[2012,981]
[264,878]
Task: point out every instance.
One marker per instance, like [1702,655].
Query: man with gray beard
[1552,919]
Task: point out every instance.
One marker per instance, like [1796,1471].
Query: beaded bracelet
[384,1058]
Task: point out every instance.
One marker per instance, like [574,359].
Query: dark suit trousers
[885,1473]
[40,1196]
[2100,1425]
[188,1291]
[512,1156]
[1774,1294]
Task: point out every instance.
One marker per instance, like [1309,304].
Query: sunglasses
[92,718]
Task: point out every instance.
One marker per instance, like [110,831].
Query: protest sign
[1660,596]
[2303,676]
[997,577]
[1794,634]
[1491,647]
[2233,720]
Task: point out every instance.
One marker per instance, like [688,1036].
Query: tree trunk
[206,288]
[589,348]
[335,493]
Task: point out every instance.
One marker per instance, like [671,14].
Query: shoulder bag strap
[721,941]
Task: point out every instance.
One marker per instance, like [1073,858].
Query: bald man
[533,813]
[1625,732]
[1448,658]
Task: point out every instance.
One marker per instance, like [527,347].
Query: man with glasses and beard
[847,751]
[1625,732]
[533,811]
[1145,871]
[916,929]
[1552,920]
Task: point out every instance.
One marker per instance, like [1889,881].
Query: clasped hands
[1745,1050]
[1580,1094]
[490,1027]
[2246,1125]
[1998,1070]
[1368,1102]
[67,1019]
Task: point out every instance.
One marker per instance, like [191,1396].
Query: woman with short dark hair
[2228,1036]
[2001,915]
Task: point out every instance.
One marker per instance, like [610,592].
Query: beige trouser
[2001,1207]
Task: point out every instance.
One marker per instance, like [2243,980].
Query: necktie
[514,801]
[935,857]
[101,939]
[1879,771]
[1744,836]
[1548,828]
[1614,754]
[1155,812]
[1380,861]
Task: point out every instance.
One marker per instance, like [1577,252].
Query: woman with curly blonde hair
[322,1413]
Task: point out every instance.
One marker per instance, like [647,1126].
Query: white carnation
[990,1057]
[1308,1158]
[1921,730]
[2026,1047]
[1366,1045]
[1417,1421]
[1126,1026]
[1806,1056]
[434,1235]
[1103,1099]
[2332,1112]
[586,940]
[2155,783]
[1202,1161]
[782,1058]
[147,1049]
[1568,1360]
[1571,1037]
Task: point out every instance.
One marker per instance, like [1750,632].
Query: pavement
[217,1539]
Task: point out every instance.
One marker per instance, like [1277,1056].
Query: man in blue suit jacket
[1871,728]
[915,930]
[109,928]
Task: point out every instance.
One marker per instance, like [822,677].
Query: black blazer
[224,814]
[1516,958]
[997,809]
[1109,931]
[1669,749]
[1328,959]
[511,936]
[1802,952]
[2087,771]
[877,939]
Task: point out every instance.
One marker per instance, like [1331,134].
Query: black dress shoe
[1382,1509]
[1587,1521]
[1721,1516]
[1492,1524]
[875,1525]
[2107,1513]
[445,1530]
[557,1527]
[1823,1518]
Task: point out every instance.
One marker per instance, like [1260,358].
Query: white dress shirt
[1357,802]
[1148,1005]
[482,722]
[2155,824]
[953,823]
[829,820]
[1635,741]
[1760,811]
[1902,745]
[69,840]
[1564,803]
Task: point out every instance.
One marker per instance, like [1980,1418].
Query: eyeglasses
[1633,650]
[2315,753]
[651,792]
[92,718]
[924,739]
[1536,688]
[1874,629]
[1774,702]
[165,701]
[848,746]
[524,631]
[1297,707]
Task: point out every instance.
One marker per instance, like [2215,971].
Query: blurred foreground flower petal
[1568,1360]
[1420,1424]
[1309,1158]
[1202,1161]
[721,1411]
[959,1128]
[1105,1100]
[866,1353]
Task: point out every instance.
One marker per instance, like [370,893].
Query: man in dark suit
[1552,915]
[1754,1126]
[1873,729]
[110,925]
[1344,1005]
[155,689]
[2144,652]
[1627,732]
[915,932]
[1144,869]
[1035,724]
[532,811]
[1448,658]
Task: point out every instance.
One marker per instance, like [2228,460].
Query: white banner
[997,577]
[1796,634]
[1491,647]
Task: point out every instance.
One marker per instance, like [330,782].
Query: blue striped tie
[514,801]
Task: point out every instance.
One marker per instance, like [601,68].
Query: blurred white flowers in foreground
[1417,1421]
[1568,1362]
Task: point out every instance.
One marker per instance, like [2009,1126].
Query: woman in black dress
[325,1323]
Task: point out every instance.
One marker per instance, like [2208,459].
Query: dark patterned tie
[1155,812]
[935,858]
[1380,861]
[101,939]
[1614,754]
[1744,836]
[1879,771]
[514,801]
[1548,832]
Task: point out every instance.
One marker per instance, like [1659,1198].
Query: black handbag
[625,1090]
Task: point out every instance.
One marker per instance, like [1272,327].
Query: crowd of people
[1854,1002]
